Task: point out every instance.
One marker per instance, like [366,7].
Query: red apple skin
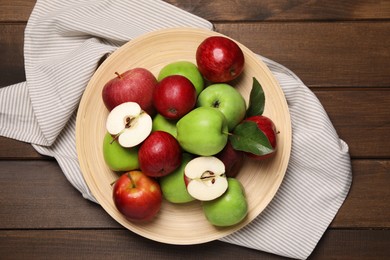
[135,85]
[186,180]
[233,160]
[267,126]
[219,59]
[160,154]
[138,198]
[174,96]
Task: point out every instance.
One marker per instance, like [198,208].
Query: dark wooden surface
[341,50]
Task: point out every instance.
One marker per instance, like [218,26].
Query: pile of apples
[183,135]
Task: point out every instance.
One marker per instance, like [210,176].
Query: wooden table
[340,49]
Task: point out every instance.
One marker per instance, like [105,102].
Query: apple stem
[119,75]
[131,180]
[112,183]
[115,137]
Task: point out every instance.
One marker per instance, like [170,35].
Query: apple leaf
[256,100]
[249,138]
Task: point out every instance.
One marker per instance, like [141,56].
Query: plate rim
[79,120]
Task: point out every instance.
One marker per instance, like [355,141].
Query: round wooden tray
[179,224]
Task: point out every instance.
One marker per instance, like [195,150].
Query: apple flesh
[173,186]
[203,131]
[219,59]
[226,99]
[186,69]
[159,155]
[229,209]
[135,85]
[174,96]
[129,124]
[117,157]
[205,178]
[267,126]
[137,196]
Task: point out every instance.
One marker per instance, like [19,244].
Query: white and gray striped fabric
[64,41]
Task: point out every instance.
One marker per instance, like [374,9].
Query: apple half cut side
[129,124]
[205,178]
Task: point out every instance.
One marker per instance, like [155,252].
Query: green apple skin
[230,208]
[186,69]
[117,157]
[225,98]
[161,123]
[173,186]
[203,131]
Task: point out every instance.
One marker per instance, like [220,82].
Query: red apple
[174,96]
[233,159]
[219,59]
[135,85]
[267,126]
[137,196]
[160,154]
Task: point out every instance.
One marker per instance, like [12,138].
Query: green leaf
[256,100]
[249,138]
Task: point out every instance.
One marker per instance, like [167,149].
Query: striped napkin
[64,40]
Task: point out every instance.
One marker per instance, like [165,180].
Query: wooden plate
[179,224]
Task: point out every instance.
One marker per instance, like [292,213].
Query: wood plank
[11,54]
[250,10]
[367,204]
[36,194]
[269,10]
[12,149]
[353,244]
[310,50]
[113,244]
[15,10]
[316,58]
[110,244]
[361,118]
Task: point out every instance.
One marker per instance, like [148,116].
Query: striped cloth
[64,41]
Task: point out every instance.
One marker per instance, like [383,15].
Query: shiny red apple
[137,196]
[174,96]
[134,85]
[267,126]
[160,154]
[219,59]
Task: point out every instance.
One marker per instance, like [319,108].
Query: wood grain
[338,48]
[114,244]
[308,49]
[11,54]
[253,10]
[36,190]
[250,10]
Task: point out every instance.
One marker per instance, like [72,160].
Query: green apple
[117,157]
[230,208]
[161,123]
[173,185]
[226,99]
[203,131]
[186,69]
